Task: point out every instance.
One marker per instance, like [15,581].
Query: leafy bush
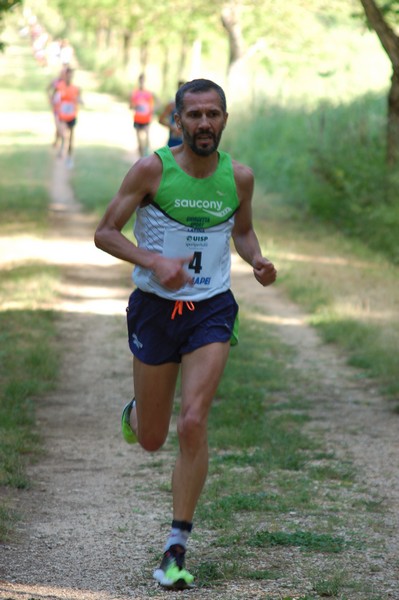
[327,162]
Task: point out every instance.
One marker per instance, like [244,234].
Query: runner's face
[202,122]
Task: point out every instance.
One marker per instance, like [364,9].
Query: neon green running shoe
[171,574]
[128,434]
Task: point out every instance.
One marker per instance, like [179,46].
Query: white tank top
[210,248]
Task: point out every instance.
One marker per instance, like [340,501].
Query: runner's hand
[264,271]
[172,273]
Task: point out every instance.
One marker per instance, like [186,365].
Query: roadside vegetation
[277,500]
[28,361]
[284,489]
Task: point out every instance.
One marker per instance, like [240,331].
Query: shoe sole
[167,584]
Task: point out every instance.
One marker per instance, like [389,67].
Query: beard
[192,142]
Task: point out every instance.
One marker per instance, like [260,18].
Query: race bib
[207,250]
[67,108]
[143,109]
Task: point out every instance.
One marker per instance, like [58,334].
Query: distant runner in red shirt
[69,100]
[54,99]
[142,103]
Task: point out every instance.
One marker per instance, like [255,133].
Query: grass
[20,72]
[270,483]
[28,369]
[349,293]
[305,540]
[24,155]
[7,521]
[97,176]
[28,357]
[23,186]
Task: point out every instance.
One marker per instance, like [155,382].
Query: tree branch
[387,36]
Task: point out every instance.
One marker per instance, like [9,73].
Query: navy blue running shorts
[71,124]
[156,338]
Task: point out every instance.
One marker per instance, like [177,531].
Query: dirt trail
[94,521]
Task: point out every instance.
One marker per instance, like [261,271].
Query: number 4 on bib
[195,264]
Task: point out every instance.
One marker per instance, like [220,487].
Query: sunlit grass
[7,520]
[20,72]
[24,156]
[28,367]
[347,291]
[24,195]
[98,174]
[28,363]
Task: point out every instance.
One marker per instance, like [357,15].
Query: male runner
[142,104]
[189,201]
[69,100]
[54,99]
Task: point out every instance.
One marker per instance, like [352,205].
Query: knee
[151,443]
[191,429]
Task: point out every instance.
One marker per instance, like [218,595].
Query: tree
[377,20]
[230,16]
[5,6]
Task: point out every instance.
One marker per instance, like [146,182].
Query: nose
[204,122]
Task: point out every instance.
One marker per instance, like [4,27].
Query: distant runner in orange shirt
[142,103]
[69,100]
[54,99]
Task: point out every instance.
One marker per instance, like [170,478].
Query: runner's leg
[154,389]
[63,131]
[201,373]
[70,146]
[140,142]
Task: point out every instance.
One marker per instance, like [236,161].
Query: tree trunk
[393,120]
[231,23]
[143,56]
[390,43]
[127,38]
[165,66]
[184,46]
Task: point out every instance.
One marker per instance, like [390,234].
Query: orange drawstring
[178,307]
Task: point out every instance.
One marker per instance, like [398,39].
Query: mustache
[205,132]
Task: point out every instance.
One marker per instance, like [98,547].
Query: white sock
[179,534]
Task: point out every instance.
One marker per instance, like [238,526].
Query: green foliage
[5,6]
[247,380]
[7,520]
[367,348]
[329,162]
[25,158]
[210,572]
[24,196]
[305,540]
[254,434]
[330,587]
[390,12]
[28,363]
[28,367]
[98,175]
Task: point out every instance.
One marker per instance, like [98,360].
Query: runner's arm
[164,117]
[244,237]
[140,183]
